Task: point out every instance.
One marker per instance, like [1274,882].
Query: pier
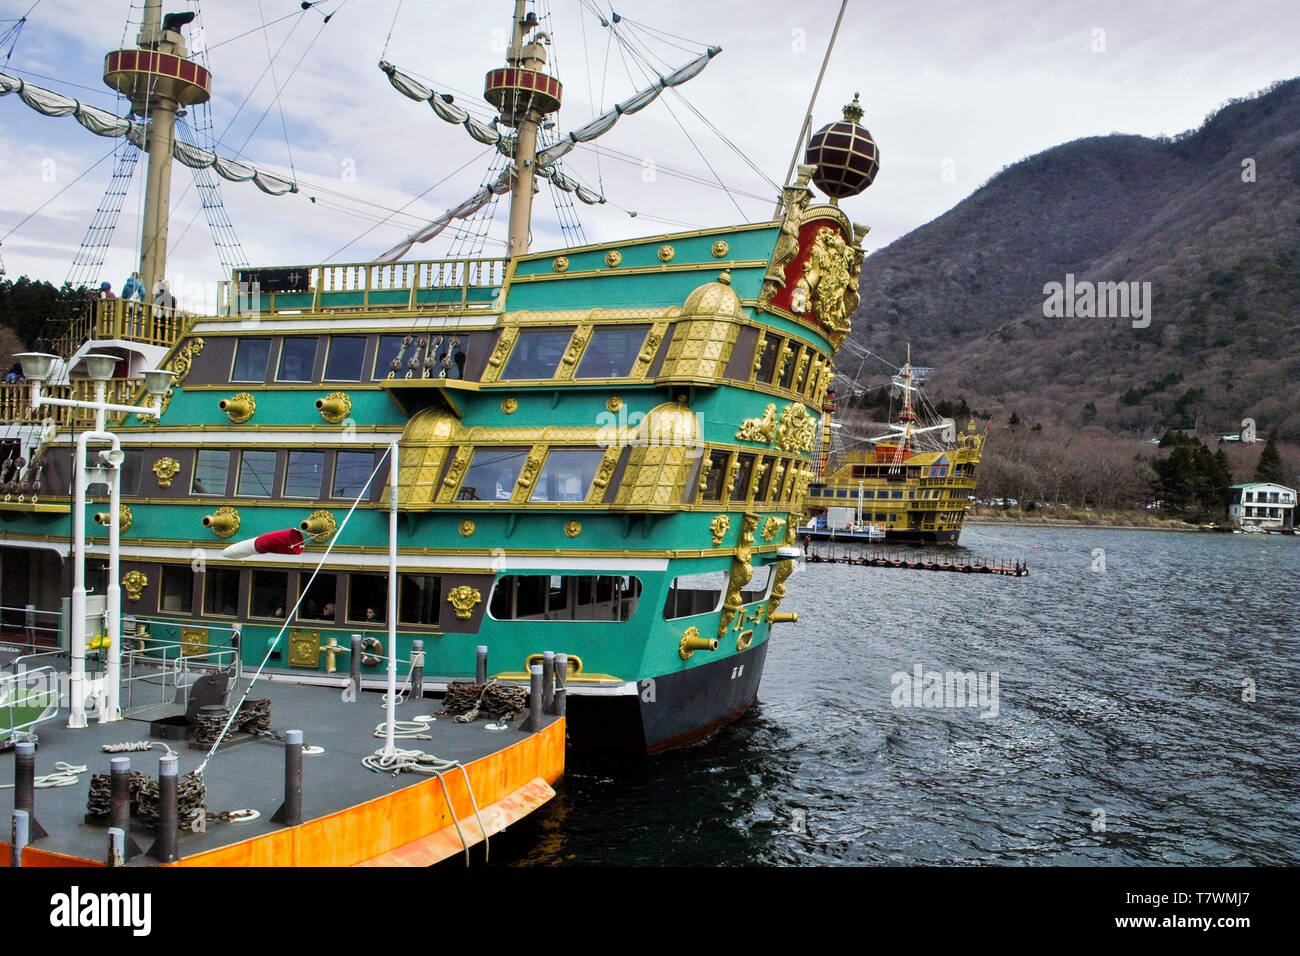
[917,561]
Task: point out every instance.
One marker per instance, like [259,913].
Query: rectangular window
[744,471]
[352,470]
[302,478]
[492,474]
[756,589]
[221,591]
[537,353]
[792,363]
[347,354]
[767,364]
[211,470]
[177,591]
[269,594]
[612,352]
[567,474]
[717,472]
[390,351]
[694,594]
[418,599]
[570,597]
[318,600]
[251,358]
[765,480]
[367,598]
[256,474]
[297,358]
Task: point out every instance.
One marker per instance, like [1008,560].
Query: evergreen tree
[1270,465]
[1014,420]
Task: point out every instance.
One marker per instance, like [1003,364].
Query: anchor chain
[467,699]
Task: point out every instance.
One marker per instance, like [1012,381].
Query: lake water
[1120,737]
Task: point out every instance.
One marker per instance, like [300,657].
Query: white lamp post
[36,367]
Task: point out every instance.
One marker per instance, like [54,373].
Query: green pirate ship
[602,450]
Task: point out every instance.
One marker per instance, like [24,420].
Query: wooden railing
[16,402]
[125,319]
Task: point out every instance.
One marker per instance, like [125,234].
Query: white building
[1263,504]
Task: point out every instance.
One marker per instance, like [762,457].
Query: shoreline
[1082,525]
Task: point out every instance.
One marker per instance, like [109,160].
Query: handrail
[128,319]
[16,401]
[50,706]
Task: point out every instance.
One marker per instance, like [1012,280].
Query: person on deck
[163,299]
[106,290]
[133,288]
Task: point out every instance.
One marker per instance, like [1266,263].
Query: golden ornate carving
[183,361]
[719,526]
[166,469]
[466,528]
[613,258]
[573,352]
[149,418]
[239,408]
[692,642]
[759,349]
[133,583]
[786,351]
[464,598]
[509,405]
[745,638]
[455,472]
[826,276]
[528,475]
[497,359]
[731,476]
[194,640]
[666,253]
[560,263]
[720,249]
[319,526]
[334,407]
[701,484]
[613,403]
[795,199]
[783,570]
[223,522]
[771,526]
[573,528]
[798,429]
[797,382]
[124,518]
[654,338]
[304,648]
[760,430]
[604,473]
[741,572]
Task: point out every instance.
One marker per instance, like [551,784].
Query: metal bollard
[535,698]
[290,812]
[164,848]
[480,664]
[548,682]
[25,787]
[116,847]
[119,816]
[18,837]
[561,684]
[354,668]
[417,669]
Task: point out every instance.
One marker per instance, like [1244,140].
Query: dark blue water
[1121,734]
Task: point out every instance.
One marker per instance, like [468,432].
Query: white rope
[137,746]
[65,775]
[399,761]
[406,729]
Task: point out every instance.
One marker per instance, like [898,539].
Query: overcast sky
[953,91]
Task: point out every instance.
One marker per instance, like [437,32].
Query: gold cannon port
[784,617]
[334,407]
[692,642]
[103,517]
[239,408]
[317,525]
[223,522]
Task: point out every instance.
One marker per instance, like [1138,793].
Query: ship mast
[524,94]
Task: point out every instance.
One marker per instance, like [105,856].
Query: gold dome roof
[714,299]
[669,424]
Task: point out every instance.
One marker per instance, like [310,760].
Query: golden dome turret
[715,298]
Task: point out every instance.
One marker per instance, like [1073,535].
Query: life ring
[373,651]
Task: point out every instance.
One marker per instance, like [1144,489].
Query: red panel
[794,271]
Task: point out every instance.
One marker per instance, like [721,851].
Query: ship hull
[671,710]
[948,537]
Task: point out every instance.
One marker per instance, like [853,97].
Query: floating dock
[917,561]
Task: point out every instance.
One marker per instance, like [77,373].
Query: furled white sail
[103,123]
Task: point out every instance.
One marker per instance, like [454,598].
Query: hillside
[1222,255]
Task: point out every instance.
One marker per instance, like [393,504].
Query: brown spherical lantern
[845,155]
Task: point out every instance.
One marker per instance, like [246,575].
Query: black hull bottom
[674,710]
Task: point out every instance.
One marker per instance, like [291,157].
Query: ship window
[756,589]
[691,594]
[787,373]
[418,599]
[764,480]
[347,353]
[898,494]
[251,358]
[256,474]
[492,474]
[129,479]
[570,597]
[803,375]
[567,474]
[537,353]
[177,591]
[390,347]
[859,471]
[211,469]
[767,365]
[868,493]
[297,356]
[302,478]
[352,469]
[367,598]
[612,352]
[717,472]
[744,469]
[317,602]
[268,593]
[221,591]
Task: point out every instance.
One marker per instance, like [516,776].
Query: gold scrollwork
[183,361]
[560,263]
[166,469]
[124,518]
[783,570]
[334,407]
[464,598]
[532,468]
[573,528]
[504,344]
[692,642]
[759,430]
[826,277]
[795,199]
[720,248]
[798,429]
[613,258]
[719,526]
[744,639]
[771,526]
[666,253]
[134,583]
[569,360]
[466,528]
[509,406]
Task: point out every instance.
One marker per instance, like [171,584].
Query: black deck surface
[248,771]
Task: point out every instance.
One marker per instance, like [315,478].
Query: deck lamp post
[108,470]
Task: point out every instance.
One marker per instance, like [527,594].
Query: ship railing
[27,689]
[434,285]
[30,629]
[16,401]
[171,663]
[127,319]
